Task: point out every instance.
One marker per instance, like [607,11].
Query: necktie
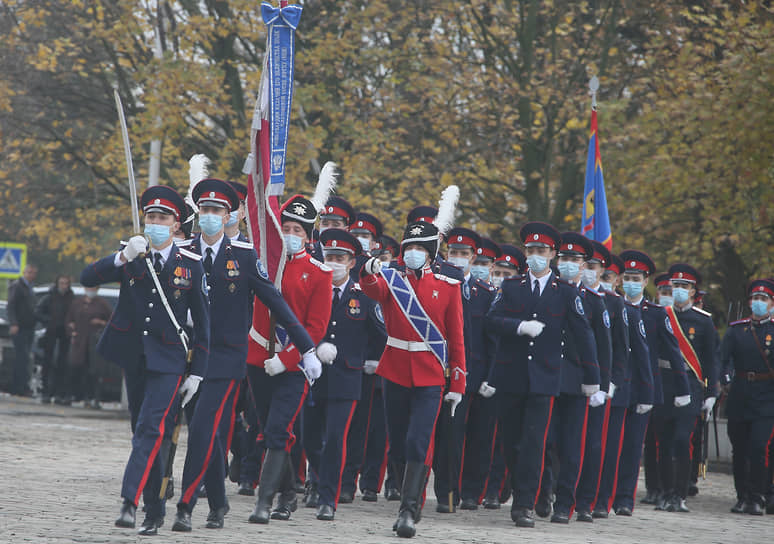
[536,289]
[157,262]
[336,295]
[208,261]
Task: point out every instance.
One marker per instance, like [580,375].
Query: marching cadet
[368,230]
[414,363]
[277,368]
[567,434]
[238,215]
[746,356]
[355,334]
[429,214]
[145,339]
[234,276]
[510,263]
[337,214]
[529,360]
[697,342]
[387,249]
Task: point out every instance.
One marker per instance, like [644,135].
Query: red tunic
[307,288]
[441,298]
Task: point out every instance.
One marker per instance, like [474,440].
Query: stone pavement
[60,474]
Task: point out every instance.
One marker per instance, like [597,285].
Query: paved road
[60,475]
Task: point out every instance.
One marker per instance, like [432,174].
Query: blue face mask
[414,258]
[537,263]
[233,218]
[479,272]
[365,243]
[680,295]
[666,300]
[568,269]
[633,289]
[605,286]
[293,243]
[158,234]
[210,223]
[760,308]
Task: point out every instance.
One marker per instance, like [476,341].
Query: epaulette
[630,303]
[484,285]
[183,243]
[322,266]
[189,254]
[605,291]
[702,312]
[565,282]
[355,287]
[740,322]
[595,293]
[447,279]
[241,245]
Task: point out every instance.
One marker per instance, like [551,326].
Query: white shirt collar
[164,253]
[542,281]
[215,247]
[341,288]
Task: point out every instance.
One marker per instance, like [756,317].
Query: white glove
[372,266]
[454,399]
[682,400]
[531,328]
[709,403]
[589,390]
[189,388]
[274,366]
[312,365]
[643,408]
[327,352]
[486,390]
[611,390]
[369,367]
[136,245]
[597,399]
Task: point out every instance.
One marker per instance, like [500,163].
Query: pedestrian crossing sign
[13,259]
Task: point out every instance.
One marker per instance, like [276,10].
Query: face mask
[760,308]
[460,262]
[496,281]
[633,289]
[210,223]
[293,244]
[568,270]
[158,234]
[340,270]
[680,295]
[414,258]
[606,286]
[365,243]
[233,218]
[666,300]
[479,272]
[537,263]
[589,277]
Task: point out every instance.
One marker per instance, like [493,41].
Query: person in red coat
[277,372]
[423,316]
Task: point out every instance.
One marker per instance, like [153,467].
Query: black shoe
[651,497]
[693,490]
[234,468]
[523,517]
[561,516]
[414,479]
[150,526]
[600,513]
[245,488]
[215,518]
[325,512]
[505,494]
[405,525]
[346,497]
[126,515]
[544,507]
[369,495]
[469,504]
[664,504]
[391,494]
[170,488]
[182,520]
[286,505]
[623,511]
[678,505]
[740,507]
[313,498]
[585,515]
[275,463]
[754,508]
[443,507]
[492,503]
[300,487]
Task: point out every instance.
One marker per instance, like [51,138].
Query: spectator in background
[85,320]
[51,311]
[21,316]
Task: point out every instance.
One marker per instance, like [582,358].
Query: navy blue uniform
[142,340]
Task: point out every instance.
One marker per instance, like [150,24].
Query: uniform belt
[758,376]
[407,345]
[263,342]
[663,363]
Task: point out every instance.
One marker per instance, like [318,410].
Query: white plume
[446,208]
[326,184]
[197,171]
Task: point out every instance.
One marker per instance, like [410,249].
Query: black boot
[651,497]
[414,479]
[755,505]
[126,515]
[272,471]
[287,502]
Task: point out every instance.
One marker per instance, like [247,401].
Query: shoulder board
[629,303]
[649,303]
[190,254]
[447,279]
[183,243]
[612,294]
[322,266]
[484,285]
[595,293]
[740,322]
[241,245]
[563,281]
[355,287]
[702,312]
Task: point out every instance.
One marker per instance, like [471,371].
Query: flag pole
[594,87]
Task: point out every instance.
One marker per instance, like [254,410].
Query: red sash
[686,349]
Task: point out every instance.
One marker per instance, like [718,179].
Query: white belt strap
[263,342]
[407,345]
[180,330]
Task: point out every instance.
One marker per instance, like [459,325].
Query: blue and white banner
[282,23]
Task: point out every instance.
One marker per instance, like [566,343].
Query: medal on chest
[232,268]
[691,333]
[182,276]
[354,306]
[231,288]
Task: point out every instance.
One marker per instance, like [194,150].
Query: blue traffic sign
[13,259]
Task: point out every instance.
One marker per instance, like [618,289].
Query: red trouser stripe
[605,424]
[611,499]
[289,428]
[232,419]
[543,452]
[344,451]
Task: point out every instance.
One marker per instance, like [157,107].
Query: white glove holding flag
[486,390]
[454,399]
[136,245]
[597,399]
[643,408]
[709,404]
[589,390]
[682,400]
[372,266]
[312,365]
[611,390]
[370,366]
[189,388]
[531,328]
[274,366]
